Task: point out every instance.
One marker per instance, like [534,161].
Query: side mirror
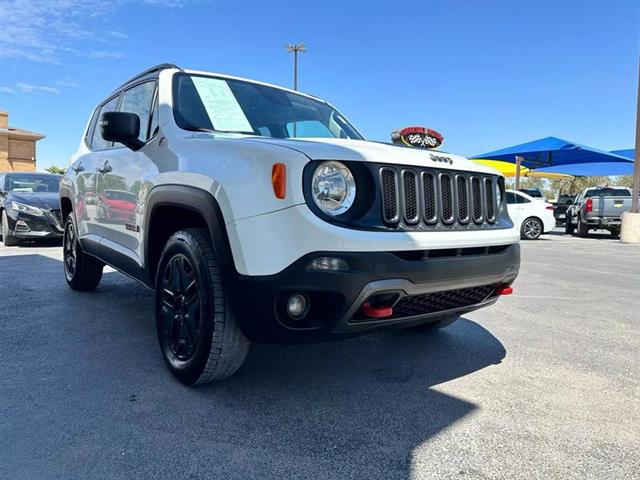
[122,127]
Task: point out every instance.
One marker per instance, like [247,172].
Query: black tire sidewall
[187,371]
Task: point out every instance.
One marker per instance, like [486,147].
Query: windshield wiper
[192,128]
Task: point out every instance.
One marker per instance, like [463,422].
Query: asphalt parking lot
[545,384]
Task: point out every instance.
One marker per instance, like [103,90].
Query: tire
[432,326]
[7,237]
[199,337]
[583,228]
[82,271]
[531,229]
[568,226]
[615,233]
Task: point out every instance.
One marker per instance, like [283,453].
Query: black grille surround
[401,198]
[453,199]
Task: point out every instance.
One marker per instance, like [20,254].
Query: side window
[97,142]
[138,100]
[521,199]
[511,198]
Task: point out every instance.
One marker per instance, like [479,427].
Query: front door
[84,171]
[121,174]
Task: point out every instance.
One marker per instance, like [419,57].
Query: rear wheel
[531,229]
[440,322]
[199,337]
[583,228]
[7,237]
[82,271]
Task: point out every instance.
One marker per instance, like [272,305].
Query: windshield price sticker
[221,105]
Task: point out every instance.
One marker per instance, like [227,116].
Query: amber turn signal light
[279,180]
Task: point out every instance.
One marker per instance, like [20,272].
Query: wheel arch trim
[199,201]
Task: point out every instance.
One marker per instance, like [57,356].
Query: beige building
[17,147]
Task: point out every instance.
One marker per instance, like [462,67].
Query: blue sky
[484,74]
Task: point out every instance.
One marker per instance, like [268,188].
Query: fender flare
[197,200]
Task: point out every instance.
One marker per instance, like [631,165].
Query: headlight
[333,188]
[498,195]
[21,207]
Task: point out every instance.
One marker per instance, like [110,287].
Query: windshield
[210,103]
[30,183]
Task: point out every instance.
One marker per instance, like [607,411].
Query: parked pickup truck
[258,213]
[598,208]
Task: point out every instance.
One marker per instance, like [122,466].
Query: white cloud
[47,30]
[22,87]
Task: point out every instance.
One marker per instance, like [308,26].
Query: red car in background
[117,205]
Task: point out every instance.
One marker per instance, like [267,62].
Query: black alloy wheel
[181,305]
[199,337]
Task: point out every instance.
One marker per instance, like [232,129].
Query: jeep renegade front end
[259,213]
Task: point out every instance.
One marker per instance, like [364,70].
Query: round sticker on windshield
[419,137]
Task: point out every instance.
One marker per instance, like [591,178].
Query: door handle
[78,168]
[106,168]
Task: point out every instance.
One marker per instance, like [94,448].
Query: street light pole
[295,49]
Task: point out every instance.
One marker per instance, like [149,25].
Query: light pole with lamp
[295,49]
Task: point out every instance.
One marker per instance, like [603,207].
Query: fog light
[22,226]
[297,306]
[328,264]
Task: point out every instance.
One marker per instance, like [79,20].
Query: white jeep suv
[259,213]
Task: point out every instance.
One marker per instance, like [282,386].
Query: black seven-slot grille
[420,198]
[440,301]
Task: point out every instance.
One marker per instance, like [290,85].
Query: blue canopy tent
[554,152]
[596,169]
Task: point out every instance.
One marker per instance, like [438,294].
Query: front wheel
[82,271]
[531,229]
[199,337]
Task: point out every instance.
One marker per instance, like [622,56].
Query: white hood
[364,151]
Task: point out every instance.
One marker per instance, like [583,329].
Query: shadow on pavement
[357,407]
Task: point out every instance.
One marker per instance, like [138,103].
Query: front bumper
[453,278]
[25,226]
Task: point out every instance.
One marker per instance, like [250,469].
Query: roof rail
[157,68]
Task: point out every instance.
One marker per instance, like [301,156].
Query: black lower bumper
[427,284]
[33,227]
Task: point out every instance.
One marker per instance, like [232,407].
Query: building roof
[21,134]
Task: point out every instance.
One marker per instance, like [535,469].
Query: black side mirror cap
[122,127]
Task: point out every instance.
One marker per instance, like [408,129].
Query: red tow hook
[502,290]
[376,312]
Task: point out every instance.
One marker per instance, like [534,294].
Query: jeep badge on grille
[417,137]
